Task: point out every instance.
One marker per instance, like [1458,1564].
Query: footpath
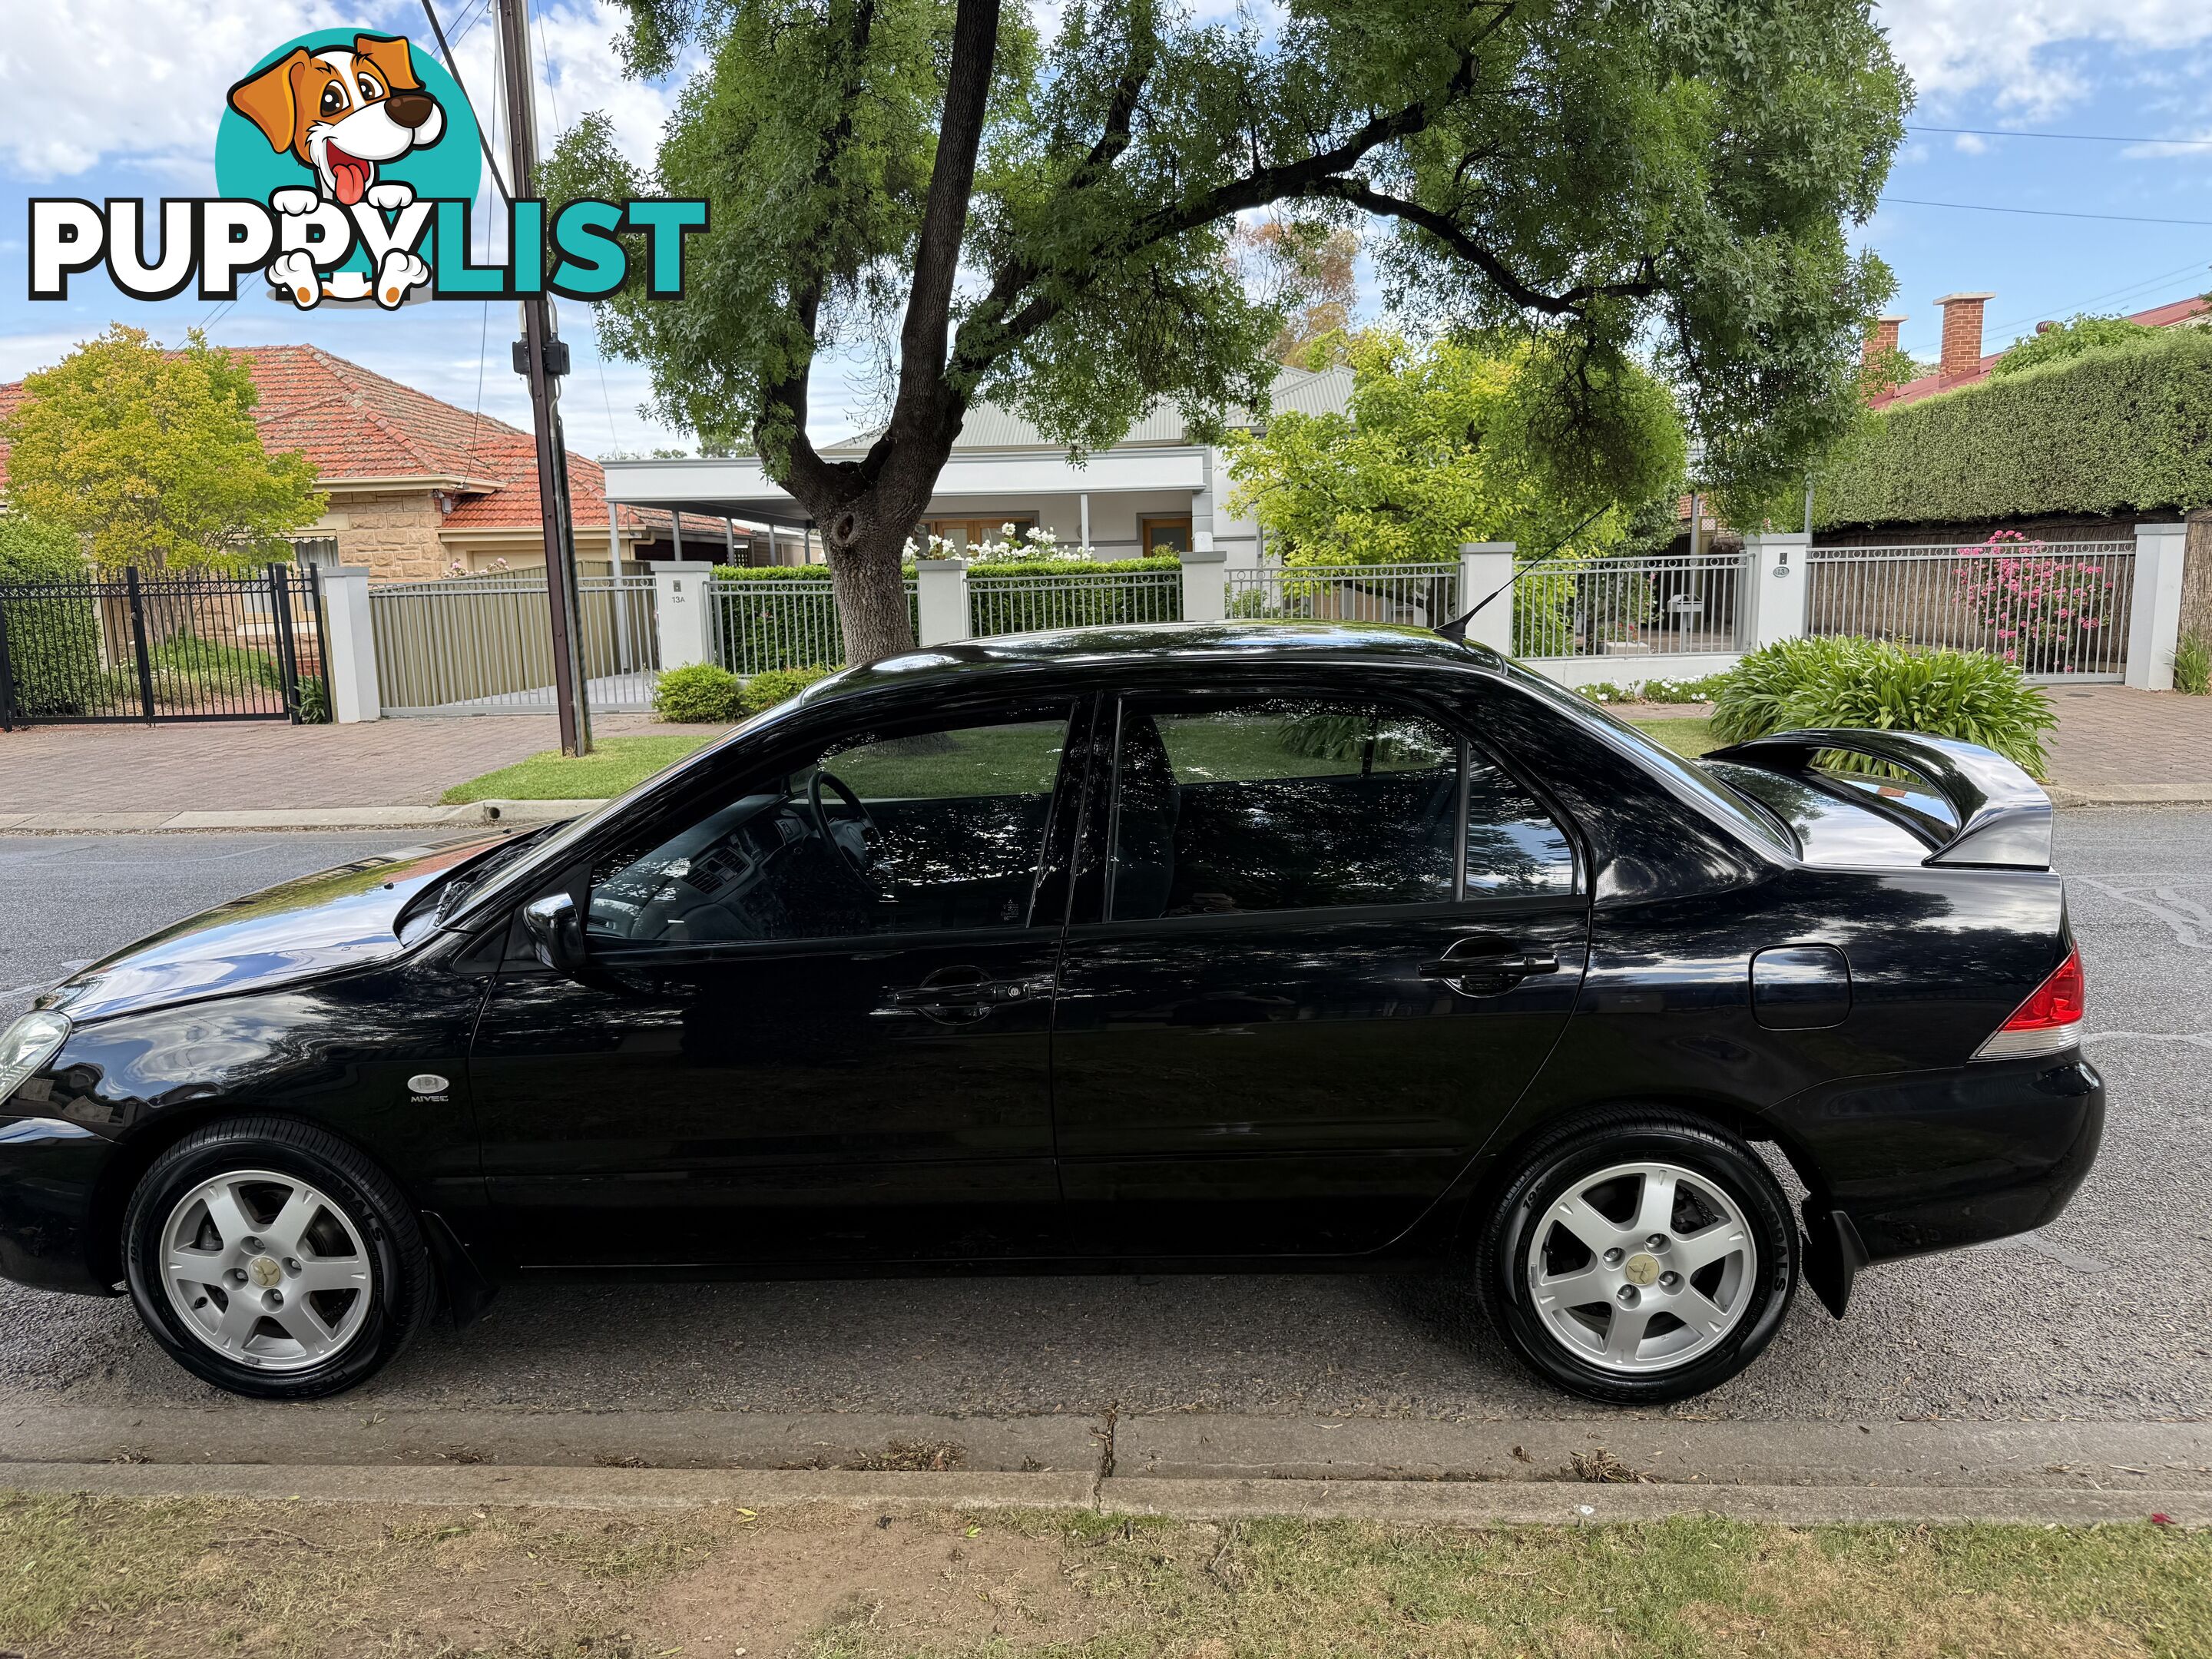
[2113,747]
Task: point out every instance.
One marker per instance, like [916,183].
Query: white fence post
[1484,568]
[683,610]
[1774,568]
[940,593]
[2154,622]
[1204,582]
[349,649]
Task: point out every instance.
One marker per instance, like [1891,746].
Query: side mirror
[556,933]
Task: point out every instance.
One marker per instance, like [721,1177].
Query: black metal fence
[191,647]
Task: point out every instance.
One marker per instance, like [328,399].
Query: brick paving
[2112,738]
[246,764]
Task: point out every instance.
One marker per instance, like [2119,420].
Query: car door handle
[969,995]
[1501,966]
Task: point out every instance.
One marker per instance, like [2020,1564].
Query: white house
[1154,492]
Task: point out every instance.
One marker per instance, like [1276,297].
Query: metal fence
[187,648]
[760,624]
[1631,606]
[1024,605]
[1421,595]
[2058,609]
[483,645]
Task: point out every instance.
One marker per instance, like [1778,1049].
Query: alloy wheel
[266,1269]
[1641,1266]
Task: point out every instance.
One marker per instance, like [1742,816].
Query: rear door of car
[1320,944]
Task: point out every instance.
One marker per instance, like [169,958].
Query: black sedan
[1188,948]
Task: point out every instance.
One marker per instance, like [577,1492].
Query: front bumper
[1903,1166]
[49,1171]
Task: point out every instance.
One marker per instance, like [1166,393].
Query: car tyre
[273,1259]
[1563,1267]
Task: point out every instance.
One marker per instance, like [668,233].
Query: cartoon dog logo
[341,114]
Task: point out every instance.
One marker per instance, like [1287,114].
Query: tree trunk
[864,569]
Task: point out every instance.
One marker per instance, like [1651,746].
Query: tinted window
[920,831]
[1281,804]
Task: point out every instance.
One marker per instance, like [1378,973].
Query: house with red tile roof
[417,485]
[1963,363]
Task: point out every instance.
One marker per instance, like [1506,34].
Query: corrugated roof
[992,426]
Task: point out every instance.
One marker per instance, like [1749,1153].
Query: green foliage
[1873,684]
[32,550]
[704,692]
[2192,665]
[153,456]
[1593,180]
[2118,429]
[2078,335]
[1449,445]
[1703,688]
[772,686]
[186,660]
[314,699]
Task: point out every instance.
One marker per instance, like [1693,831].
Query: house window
[320,552]
[1166,535]
[965,534]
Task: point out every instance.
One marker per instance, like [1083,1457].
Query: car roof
[1158,646]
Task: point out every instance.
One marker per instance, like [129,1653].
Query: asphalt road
[2103,1315]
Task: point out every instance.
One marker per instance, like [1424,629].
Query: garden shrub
[314,701]
[775,685]
[53,640]
[703,692]
[2192,665]
[2118,428]
[193,664]
[1703,688]
[1874,685]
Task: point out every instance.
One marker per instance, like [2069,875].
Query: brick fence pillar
[1776,586]
[1484,568]
[350,652]
[940,601]
[683,596]
[2155,619]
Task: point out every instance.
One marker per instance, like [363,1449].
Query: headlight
[28,1044]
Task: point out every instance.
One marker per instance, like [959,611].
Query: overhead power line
[2041,213]
[2079,138]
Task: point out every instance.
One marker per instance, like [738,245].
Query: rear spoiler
[2002,816]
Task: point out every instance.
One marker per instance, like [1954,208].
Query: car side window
[917,831]
[1288,803]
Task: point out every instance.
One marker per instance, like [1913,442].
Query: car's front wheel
[1639,1257]
[272,1259]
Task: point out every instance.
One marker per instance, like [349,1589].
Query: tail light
[2048,1023]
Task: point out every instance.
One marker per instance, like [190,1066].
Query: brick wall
[394,533]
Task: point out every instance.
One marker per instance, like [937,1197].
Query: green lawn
[1684,737]
[83,1575]
[614,765]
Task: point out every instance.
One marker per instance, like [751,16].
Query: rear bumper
[49,1171]
[1938,1161]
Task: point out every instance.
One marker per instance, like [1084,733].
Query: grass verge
[161,1579]
[1684,737]
[614,764]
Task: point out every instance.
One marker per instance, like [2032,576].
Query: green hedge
[820,573]
[2127,428]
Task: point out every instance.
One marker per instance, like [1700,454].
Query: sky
[101,98]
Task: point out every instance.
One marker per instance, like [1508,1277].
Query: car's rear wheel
[272,1259]
[1639,1257]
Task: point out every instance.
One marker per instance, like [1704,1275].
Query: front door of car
[1322,946]
[815,1023]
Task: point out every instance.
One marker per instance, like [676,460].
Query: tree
[152,457]
[2054,342]
[1045,222]
[1308,271]
[1440,447]
[32,552]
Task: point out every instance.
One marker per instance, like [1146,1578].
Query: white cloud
[97,81]
[1953,48]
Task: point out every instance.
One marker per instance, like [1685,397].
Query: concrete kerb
[1402,1502]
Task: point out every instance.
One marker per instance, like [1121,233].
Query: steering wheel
[855,851]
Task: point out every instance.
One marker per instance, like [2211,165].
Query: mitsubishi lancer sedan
[1188,948]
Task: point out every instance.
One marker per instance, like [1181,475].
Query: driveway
[2100,1317]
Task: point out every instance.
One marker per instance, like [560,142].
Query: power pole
[544,359]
